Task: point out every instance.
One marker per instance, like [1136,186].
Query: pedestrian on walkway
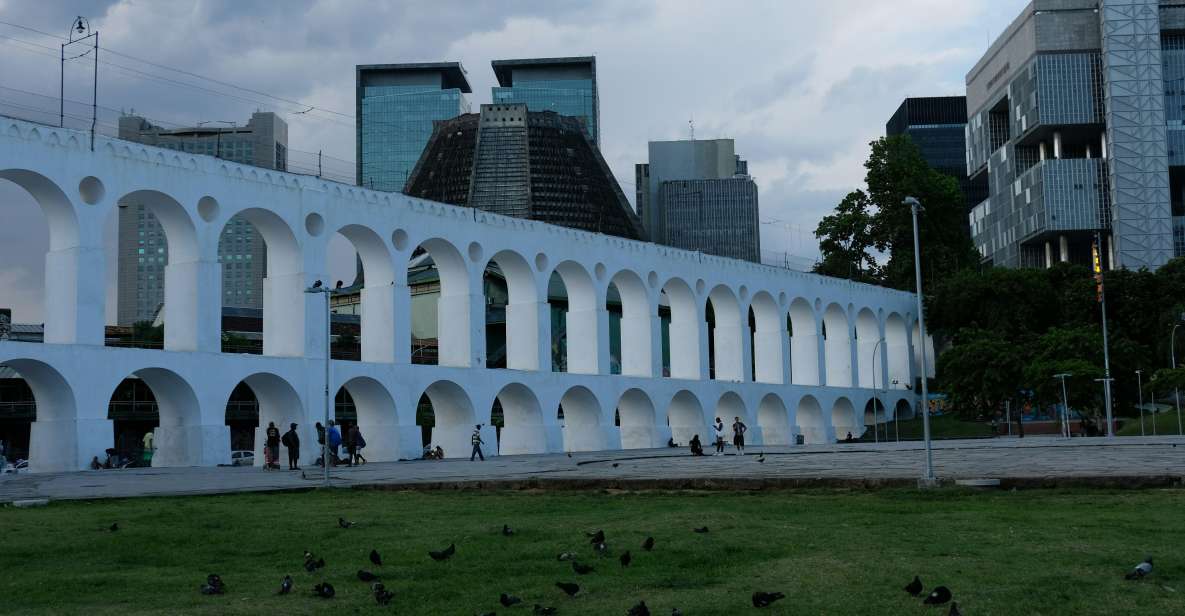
[738,435]
[476,441]
[348,443]
[335,441]
[272,447]
[320,444]
[148,449]
[357,443]
[719,431]
[291,441]
[1020,426]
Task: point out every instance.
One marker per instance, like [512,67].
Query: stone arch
[874,416]
[283,284]
[804,343]
[524,313]
[279,403]
[583,326]
[685,415]
[897,349]
[727,357]
[844,419]
[455,343]
[378,298]
[837,342]
[904,408]
[637,418]
[56,442]
[455,419]
[685,329]
[582,420]
[728,407]
[768,338]
[774,420]
[869,368]
[916,340]
[523,431]
[377,418]
[810,422]
[57,207]
[177,438]
[634,336]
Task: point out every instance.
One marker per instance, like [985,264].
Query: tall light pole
[876,398]
[1065,404]
[80,30]
[1140,390]
[318,287]
[1095,249]
[916,207]
[1173,352]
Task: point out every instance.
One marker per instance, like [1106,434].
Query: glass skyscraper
[567,86]
[396,106]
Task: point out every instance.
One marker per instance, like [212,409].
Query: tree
[979,372]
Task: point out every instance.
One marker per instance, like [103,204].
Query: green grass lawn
[833,552]
[1166,423]
[941,427]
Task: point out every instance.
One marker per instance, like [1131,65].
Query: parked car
[242,457]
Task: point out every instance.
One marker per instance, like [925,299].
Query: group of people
[738,438]
[354,443]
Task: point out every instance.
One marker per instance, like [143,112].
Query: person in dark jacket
[291,441]
[320,444]
[356,445]
[272,447]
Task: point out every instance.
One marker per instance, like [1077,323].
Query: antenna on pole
[691,128]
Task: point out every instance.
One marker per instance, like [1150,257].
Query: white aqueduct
[820,351]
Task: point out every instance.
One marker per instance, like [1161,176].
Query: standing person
[348,443]
[719,430]
[357,442]
[147,453]
[335,441]
[320,444]
[738,435]
[272,447]
[1020,426]
[476,441]
[291,441]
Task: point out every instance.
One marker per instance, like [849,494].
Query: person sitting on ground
[95,464]
[438,453]
[849,438]
[697,448]
[671,442]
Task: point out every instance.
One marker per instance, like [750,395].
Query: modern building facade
[526,164]
[937,124]
[143,249]
[396,106]
[1077,120]
[698,195]
[567,86]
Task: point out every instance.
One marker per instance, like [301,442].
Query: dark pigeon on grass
[545,611]
[566,556]
[602,549]
[915,587]
[508,600]
[324,590]
[639,610]
[701,530]
[213,585]
[582,569]
[625,558]
[954,610]
[114,527]
[286,585]
[597,537]
[1141,570]
[569,588]
[765,599]
[444,554]
[676,612]
[375,558]
[367,576]
[382,596]
[507,531]
[648,544]
[344,523]
[938,596]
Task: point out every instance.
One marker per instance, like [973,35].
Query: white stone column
[1048,254]
[528,336]
[1064,248]
[729,345]
[198,445]
[461,331]
[75,296]
[689,347]
[588,335]
[805,359]
[379,318]
[772,355]
[641,345]
[1057,144]
[67,445]
[293,321]
[193,306]
[1041,151]
[401,308]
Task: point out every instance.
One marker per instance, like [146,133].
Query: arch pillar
[731,349]
[75,295]
[689,345]
[588,339]
[464,348]
[385,311]
[64,445]
[528,335]
[771,353]
[294,323]
[644,359]
[193,306]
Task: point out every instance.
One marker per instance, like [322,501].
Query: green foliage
[145,331]
[979,371]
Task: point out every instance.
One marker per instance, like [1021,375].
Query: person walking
[320,444]
[146,455]
[291,441]
[335,441]
[272,447]
[738,435]
[357,443]
[476,441]
[348,443]
[719,431]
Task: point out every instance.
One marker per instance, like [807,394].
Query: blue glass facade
[395,124]
[570,97]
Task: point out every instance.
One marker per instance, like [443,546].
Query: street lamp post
[1140,391]
[1096,249]
[1065,404]
[1176,390]
[876,399]
[916,207]
[318,287]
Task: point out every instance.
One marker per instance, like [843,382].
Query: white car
[242,458]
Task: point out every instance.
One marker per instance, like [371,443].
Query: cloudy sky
[802,85]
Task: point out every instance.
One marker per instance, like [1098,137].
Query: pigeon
[938,596]
[569,454]
[915,587]
[213,585]
[648,544]
[545,611]
[954,610]
[382,596]
[761,457]
[508,600]
[114,527]
[1141,570]
[507,531]
[302,476]
[311,565]
[676,612]
[445,553]
[639,610]
[602,549]
[324,590]
[286,585]
[581,569]
[701,530]
[569,588]
[764,599]
[615,465]
[375,558]
[367,576]
[597,537]
[625,558]
[344,523]
[566,556]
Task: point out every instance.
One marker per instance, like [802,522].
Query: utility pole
[79,27]
[1095,249]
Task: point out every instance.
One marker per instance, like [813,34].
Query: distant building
[536,165]
[396,106]
[937,124]
[698,195]
[143,250]
[567,86]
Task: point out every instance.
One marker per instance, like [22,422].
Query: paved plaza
[1031,461]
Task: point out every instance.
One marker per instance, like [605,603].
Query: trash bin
[799,439]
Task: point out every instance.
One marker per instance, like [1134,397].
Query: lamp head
[913,203]
[78,25]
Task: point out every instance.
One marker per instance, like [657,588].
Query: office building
[698,195]
[567,86]
[1076,121]
[396,106]
[526,164]
[143,249]
[937,125]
